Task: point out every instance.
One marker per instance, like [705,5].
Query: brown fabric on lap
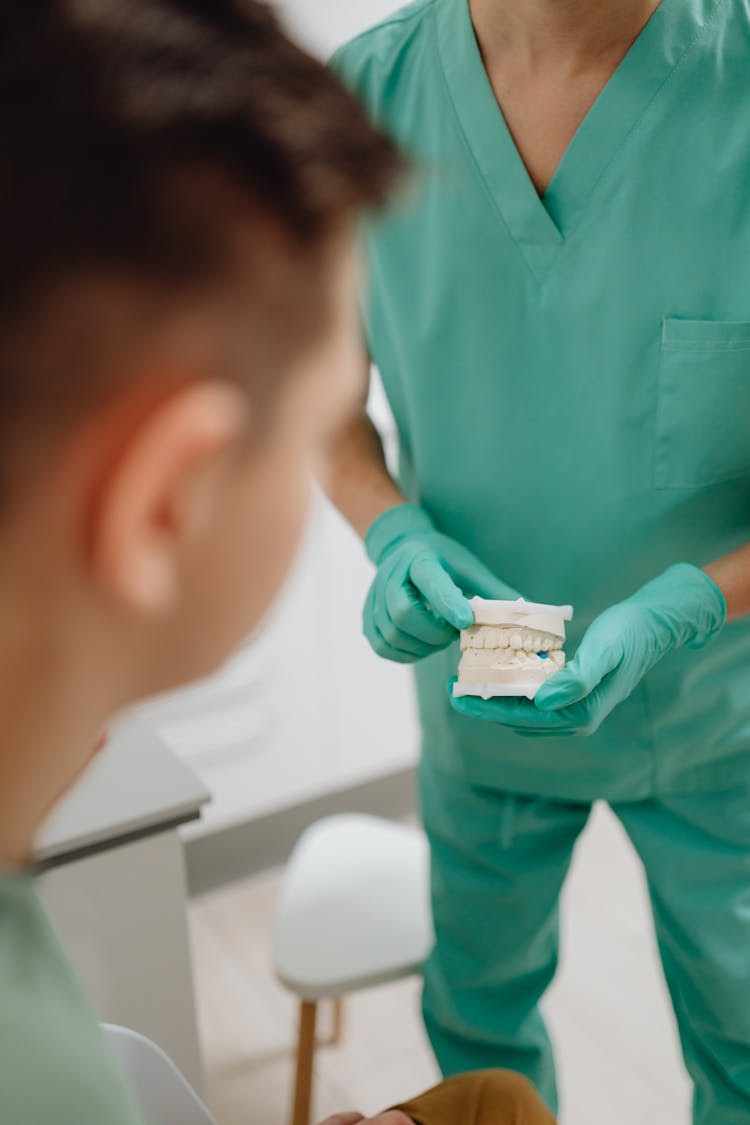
[486,1097]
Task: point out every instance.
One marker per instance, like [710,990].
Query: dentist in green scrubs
[560,312]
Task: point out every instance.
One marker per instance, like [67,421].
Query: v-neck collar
[540,226]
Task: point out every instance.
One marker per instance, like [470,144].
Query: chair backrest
[163,1095]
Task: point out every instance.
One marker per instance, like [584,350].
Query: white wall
[324,24]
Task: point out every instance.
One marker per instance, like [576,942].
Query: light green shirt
[55,1068]
[570,376]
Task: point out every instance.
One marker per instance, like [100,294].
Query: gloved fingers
[590,665]
[439,591]
[571,689]
[509,711]
[388,651]
[394,637]
[377,641]
[522,716]
[586,716]
[412,617]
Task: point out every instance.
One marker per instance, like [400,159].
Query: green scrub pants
[498,864]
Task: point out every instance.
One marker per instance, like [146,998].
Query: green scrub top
[55,1068]
[570,376]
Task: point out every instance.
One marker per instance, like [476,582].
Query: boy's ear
[157,496]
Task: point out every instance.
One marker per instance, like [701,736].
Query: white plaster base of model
[494,691]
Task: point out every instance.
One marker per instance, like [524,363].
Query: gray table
[111,874]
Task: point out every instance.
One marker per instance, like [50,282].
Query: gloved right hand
[418,600]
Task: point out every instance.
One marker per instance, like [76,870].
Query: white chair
[162,1094]
[353,912]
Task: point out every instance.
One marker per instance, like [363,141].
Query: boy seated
[179,334]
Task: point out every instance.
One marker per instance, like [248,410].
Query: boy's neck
[49,721]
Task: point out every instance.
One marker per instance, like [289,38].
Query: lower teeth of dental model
[546,662]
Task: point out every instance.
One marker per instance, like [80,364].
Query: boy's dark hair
[137,135]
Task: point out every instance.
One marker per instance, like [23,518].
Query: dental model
[511,648]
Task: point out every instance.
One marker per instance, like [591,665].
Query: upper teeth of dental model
[511,648]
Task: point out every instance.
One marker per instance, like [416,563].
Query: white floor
[609,1012]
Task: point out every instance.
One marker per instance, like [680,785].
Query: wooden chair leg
[337,1032]
[305,1055]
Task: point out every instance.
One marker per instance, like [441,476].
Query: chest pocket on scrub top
[703,404]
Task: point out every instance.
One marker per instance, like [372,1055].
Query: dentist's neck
[558,33]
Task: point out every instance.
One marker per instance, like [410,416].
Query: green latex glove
[418,600]
[683,606]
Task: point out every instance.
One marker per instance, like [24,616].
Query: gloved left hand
[683,606]
[419,598]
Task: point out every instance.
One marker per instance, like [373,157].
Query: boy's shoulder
[54,1064]
[368,61]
